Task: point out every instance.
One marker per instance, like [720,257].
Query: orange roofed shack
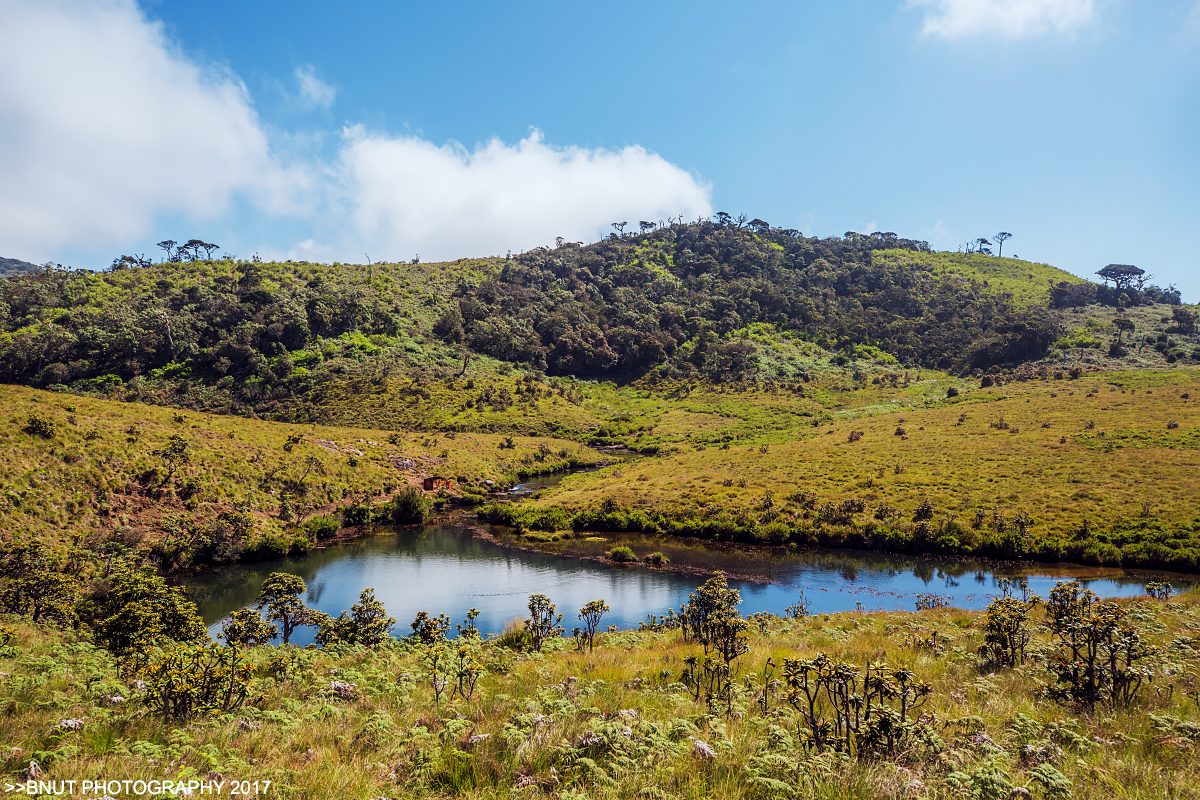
[433,484]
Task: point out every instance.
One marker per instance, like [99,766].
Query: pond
[445,568]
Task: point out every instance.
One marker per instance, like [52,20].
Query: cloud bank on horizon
[107,128]
[104,126]
[1011,19]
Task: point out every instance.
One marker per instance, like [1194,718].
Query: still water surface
[445,569]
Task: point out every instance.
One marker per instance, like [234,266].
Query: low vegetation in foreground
[1060,697]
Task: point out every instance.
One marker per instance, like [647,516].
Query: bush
[32,584]
[711,618]
[952,392]
[321,527]
[355,515]
[656,560]
[1097,661]
[514,636]
[1159,590]
[430,630]
[193,679]
[409,506]
[142,610]
[591,614]
[280,596]
[38,425]
[543,622]
[275,545]
[367,623]
[1006,633]
[622,555]
[930,602]
[797,609]
[247,627]
[869,712]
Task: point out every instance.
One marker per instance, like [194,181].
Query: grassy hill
[1101,469]
[778,390]
[705,301]
[87,470]
[10,267]
[1026,281]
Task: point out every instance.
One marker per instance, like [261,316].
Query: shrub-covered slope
[15,266]
[686,300]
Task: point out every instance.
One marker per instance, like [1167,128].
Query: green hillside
[1100,469]
[709,301]
[1026,281]
[14,266]
[91,473]
[763,389]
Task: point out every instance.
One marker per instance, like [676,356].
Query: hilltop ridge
[15,266]
[701,301]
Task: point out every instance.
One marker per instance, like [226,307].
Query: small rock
[701,749]
[1034,754]
[32,772]
[248,725]
[343,689]
[982,740]
[71,724]
[478,737]
[590,739]
[112,699]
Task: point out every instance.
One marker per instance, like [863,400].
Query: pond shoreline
[683,569]
[765,552]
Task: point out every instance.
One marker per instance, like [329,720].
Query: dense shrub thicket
[677,298]
[678,295]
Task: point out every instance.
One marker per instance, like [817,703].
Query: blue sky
[330,131]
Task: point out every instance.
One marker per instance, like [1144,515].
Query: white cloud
[1011,19]
[103,127]
[314,92]
[406,195]
[106,128]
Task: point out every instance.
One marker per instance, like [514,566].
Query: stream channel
[447,567]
